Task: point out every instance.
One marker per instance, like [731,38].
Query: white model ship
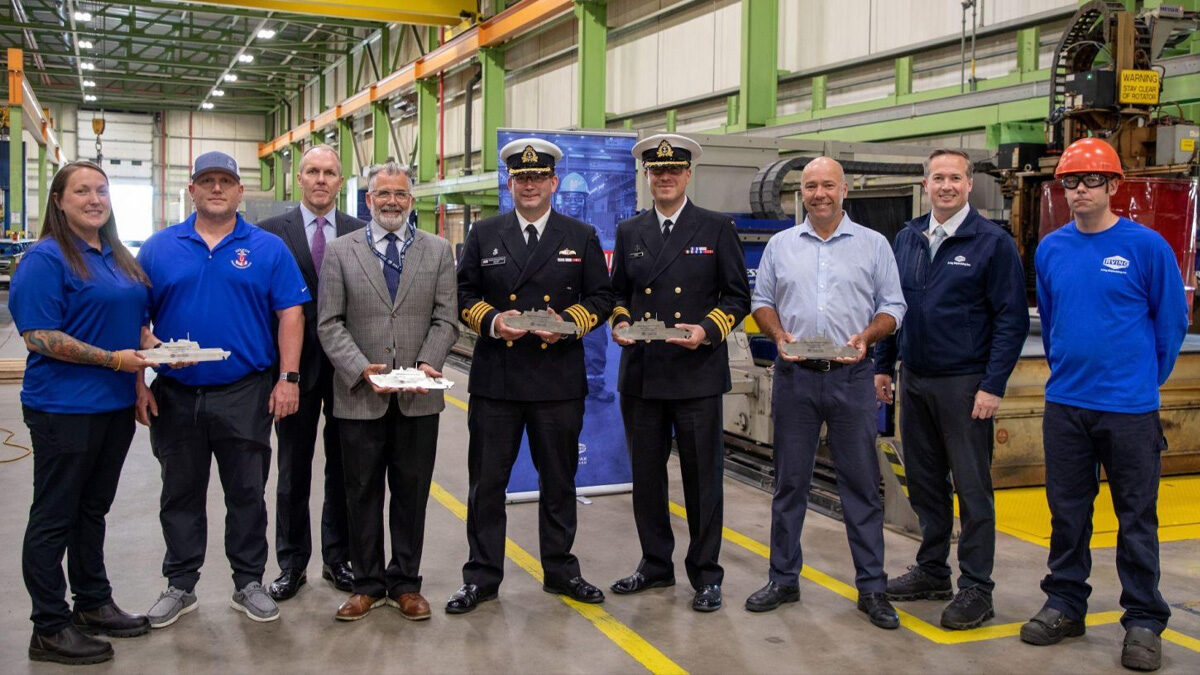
[540,319]
[819,348]
[183,351]
[650,329]
[409,378]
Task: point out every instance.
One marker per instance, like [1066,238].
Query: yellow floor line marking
[623,636]
[917,625]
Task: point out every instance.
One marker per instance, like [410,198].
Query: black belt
[820,365]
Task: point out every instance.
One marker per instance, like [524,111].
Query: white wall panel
[817,32]
[631,75]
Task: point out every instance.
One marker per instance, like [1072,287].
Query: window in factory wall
[133,207]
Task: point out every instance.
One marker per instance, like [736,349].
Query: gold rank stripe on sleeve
[474,316]
[582,318]
[724,321]
[618,313]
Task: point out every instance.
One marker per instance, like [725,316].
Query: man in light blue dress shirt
[827,277]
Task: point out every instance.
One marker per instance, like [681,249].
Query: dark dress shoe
[879,610]
[110,620]
[1049,626]
[340,575]
[1142,649]
[467,598]
[357,606]
[637,582]
[68,646]
[771,596]
[707,598]
[577,589]
[287,584]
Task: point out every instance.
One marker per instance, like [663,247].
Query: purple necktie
[318,243]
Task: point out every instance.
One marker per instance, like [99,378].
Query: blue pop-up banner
[597,183]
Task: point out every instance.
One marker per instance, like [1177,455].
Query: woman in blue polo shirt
[79,300]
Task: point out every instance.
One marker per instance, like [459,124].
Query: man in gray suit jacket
[307,231]
[387,300]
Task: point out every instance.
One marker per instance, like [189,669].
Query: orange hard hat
[1089,155]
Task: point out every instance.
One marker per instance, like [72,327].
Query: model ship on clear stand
[651,329]
[409,378]
[540,319]
[819,348]
[183,351]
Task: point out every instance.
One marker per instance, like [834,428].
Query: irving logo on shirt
[1115,265]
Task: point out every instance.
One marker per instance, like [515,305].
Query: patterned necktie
[667,229]
[533,238]
[390,275]
[318,243]
[939,236]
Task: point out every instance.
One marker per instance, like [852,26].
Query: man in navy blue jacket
[1107,287]
[967,321]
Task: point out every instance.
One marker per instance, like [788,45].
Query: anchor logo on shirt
[240,261]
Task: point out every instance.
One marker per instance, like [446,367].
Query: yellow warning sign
[1139,87]
[1187,144]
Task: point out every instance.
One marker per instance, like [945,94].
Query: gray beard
[398,223]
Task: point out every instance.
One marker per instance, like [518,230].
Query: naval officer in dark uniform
[682,265]
[527,382]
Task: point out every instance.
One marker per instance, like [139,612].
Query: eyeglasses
[667,170]
[532,177]
[387,195]
[1092,180]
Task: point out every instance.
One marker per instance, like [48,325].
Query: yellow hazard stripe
[896,462]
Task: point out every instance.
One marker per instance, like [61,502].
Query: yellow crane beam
[420,12]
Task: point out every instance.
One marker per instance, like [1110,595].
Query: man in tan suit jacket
[387,300]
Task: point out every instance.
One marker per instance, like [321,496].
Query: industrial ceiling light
[218,92]
[87,65]
[230,77]
[266,34]
[86,44]
[89,97]
[89,83]
[82,16]
[246,58]
[206,105]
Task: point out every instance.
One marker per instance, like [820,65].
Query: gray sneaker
[171,605]
[253,600]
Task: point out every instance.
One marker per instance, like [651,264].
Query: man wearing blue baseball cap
[219,281]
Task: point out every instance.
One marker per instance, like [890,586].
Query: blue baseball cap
[215,161]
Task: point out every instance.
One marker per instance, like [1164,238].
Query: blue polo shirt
[225,298]
[106,310]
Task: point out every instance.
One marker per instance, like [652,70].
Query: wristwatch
[292,377]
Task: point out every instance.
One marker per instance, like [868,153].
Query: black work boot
[68,646]
[969,609]
[1142,649]
[110,620]
[917,584]
[1050,626]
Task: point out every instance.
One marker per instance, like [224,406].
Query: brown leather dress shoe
[412,606]
[356,607]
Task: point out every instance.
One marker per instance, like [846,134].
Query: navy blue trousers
[844,400]
[1129,447]
[77,462]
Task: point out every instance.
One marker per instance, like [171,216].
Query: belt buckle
[823,365]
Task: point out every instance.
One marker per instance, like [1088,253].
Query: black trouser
[1129,447]
[297,434]
[496,427]
[844,400]
[942,440]
[698,431]
[401,449]
[77,462]
[194,425]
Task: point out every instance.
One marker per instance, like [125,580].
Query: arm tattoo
[59,345]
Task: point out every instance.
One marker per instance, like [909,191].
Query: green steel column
[491,60]
[43,176]
[820,89]
[904,75]
[732,109]
[760,62]
[385,50]
[592,16]
[381,126]
[672,120]
[349,74]
[427,150]
[16,166]
[321,91]
[345,144]
[265,174]
[297,152]
[278,179]
[1027,49]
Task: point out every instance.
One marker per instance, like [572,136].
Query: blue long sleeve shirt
[1113,313]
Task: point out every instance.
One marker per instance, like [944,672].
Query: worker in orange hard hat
[1105,285]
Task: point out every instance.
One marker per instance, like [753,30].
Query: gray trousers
[941,440]
[844,400]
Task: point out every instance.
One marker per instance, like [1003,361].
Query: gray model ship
[819,348]
[540,319]
[183,351]
[650,329]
